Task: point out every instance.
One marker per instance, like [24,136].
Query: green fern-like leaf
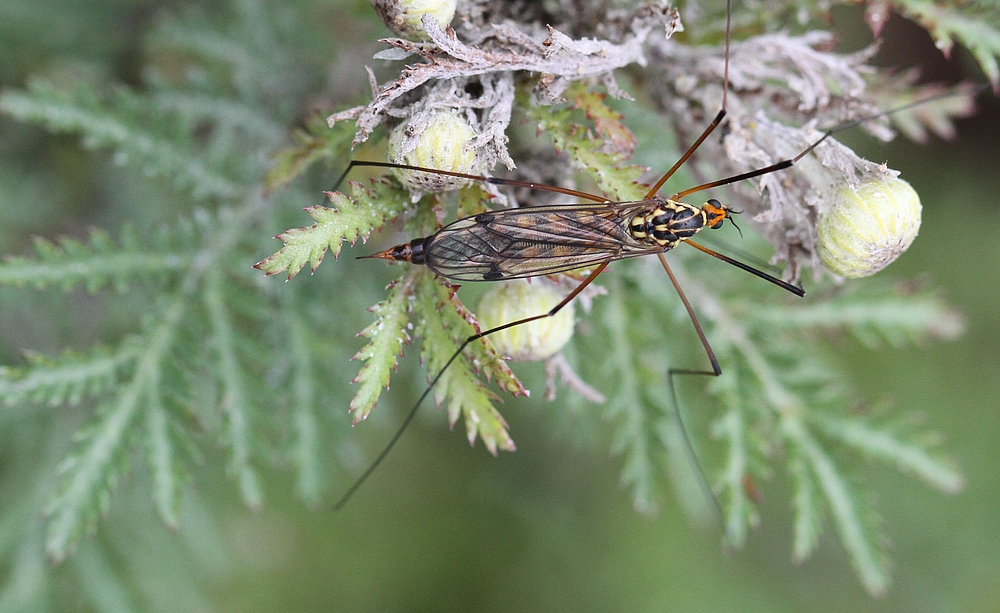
[237,405]
[605,165]
[306,427]
[66,379]
[974,27]
[629,404]
[807,504]
[354,217]
[222,353]
[874,315]
[859,531]
[744,457]
[387,336]
[91,472]
[123,125]
[169,475]
[317,144]
[882,443]
[93,264]
[442,329]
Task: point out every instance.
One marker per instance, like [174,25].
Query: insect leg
[783,164]
[798,291]
[671,372]
[715,122]
[480,178]
[413,412]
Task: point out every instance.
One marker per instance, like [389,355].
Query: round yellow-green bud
[404,17]
[441,144]
[867,228]
[536,340]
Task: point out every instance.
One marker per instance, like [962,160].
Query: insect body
[518,243]
[534,241]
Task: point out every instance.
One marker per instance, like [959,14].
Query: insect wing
[518,243]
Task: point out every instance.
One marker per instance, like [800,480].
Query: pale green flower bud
[513,300]
[441,142]
[404,16]
[867,228]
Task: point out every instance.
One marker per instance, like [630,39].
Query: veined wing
[517,243]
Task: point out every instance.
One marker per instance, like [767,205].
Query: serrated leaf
[387,336]
[123,123]
[629,405]
[485,356]
[68,262]
[615,178]
[873,317]
[884,445]
[974,27]
[89,475]
[607,122]
[168,474]
[737,508]
[354,217]
[807,505]
[858,532]
[307,443]
[66,379]
[236,405]
[442,331]
[91,471]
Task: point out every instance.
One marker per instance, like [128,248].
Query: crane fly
[527,242]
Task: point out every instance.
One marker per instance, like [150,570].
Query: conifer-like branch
[68,262]
[219,352]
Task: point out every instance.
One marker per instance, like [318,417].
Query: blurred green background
[441,526]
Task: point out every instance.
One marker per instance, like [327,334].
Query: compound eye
[715,203]
[717,223]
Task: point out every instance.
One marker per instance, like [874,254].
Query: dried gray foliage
[781,89]
[509,47]
[495,96]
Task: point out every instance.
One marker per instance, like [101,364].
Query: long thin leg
[409,417]
[672,372]
[798,291]
[483,179]
[715,122]
[791,161]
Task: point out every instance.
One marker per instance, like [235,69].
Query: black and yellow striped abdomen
[669,223]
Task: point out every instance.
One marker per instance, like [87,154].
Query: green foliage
[141,134]
[66,379]
[352,218]
[219,368]
[388,335]
[971,25]
[602,158]
[94,264]
[317,144]
[145,400]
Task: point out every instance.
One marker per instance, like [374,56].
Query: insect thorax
[667,223]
